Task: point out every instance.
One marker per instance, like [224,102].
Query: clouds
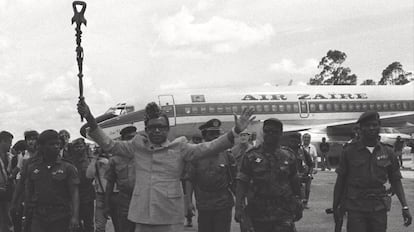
[216,34]
[288,66]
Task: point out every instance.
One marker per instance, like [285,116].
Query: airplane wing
[340,131]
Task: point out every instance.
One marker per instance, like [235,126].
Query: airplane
[323,111]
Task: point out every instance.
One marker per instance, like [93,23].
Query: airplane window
[187,110]
[266,108]
[282,108]
[337,107]
[252,107]
[289,108]
[274,108]
[321,107]
[194,109]
[328,106]
[219,109]
[211,109]
[312,107]
[243,107]
[344,107]
[203,109]
[351,107]
[405,106]
[228,109]
[234,109]
[295,108]
[259,108]
[372,106]
[392,106]
[358,106]
[379,106]
[364,106]
[385,106]
[398,105]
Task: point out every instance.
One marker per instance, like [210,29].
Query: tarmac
[316,220]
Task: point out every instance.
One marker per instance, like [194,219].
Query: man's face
[211,135]
[52,148]
[6,144]
[79,148]
[65,137]
[244,138]
[370,129]
[271,134]
[294,143]
[306,139]
[323,140]
[157,130]
[31,143]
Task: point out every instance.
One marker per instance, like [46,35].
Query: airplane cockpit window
[120,110]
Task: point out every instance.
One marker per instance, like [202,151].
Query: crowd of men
[144,182]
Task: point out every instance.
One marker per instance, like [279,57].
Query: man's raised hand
[243,121]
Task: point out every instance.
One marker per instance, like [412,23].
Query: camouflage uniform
[273,205]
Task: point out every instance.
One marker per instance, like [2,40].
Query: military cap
[273,121]
[31,134]
[47,135]
[212,124]
[367,116]
[78,140]
[128,130]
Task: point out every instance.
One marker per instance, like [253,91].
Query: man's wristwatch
[405,208]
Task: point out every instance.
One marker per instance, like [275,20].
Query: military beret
[367,116]
[47,135]
[31,134]
[128,130]
[213,124]
[273,121]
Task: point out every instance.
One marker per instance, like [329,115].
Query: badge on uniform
[36,171]
[258,160]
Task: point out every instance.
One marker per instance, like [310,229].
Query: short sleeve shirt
[366,173]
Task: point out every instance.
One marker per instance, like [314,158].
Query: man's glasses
[154,128]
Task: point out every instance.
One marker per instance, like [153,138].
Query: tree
[394,74]
[332,72]
[368,82]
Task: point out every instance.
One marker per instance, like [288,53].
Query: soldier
[65,141]
[304,162]
[78,155]
[365,166]
[211,179]
[122,172]
[240,149]
[6,139]
[51,188]
[16,209]
[157,202]
[271,174]
[324,148]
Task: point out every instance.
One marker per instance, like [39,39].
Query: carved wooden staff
[79,19]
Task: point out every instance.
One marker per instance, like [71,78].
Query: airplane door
[303,109]
[167,104]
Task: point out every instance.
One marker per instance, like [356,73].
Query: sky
[135,50]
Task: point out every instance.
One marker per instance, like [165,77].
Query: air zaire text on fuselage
[304,96]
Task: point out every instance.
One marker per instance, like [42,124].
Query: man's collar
[360,145]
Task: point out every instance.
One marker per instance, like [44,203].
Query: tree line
[334,73]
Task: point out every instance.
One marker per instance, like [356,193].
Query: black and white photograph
[206,116]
